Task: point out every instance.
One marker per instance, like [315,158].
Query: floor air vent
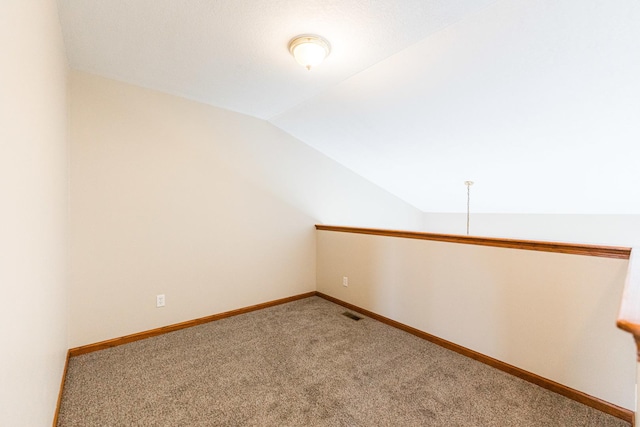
[351,316]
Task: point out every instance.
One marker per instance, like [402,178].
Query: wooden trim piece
[553,386]
[177,326]
[62,381]
[531,245]
[629,314]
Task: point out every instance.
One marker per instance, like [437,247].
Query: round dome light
[309,50]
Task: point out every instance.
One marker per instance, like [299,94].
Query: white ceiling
[538,102]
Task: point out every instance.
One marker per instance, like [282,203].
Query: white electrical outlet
[160,300]
[345,281]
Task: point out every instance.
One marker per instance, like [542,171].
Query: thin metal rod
[468,184]
[468,204]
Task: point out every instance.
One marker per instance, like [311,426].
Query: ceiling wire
[468,184]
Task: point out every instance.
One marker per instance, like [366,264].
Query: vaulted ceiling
[537,102]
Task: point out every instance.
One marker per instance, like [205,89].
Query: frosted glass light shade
[309,50]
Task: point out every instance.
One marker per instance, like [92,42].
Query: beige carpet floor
[303,364]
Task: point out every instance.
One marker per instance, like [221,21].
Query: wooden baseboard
[177,326]
[553,386]
[578,396]
[64,377]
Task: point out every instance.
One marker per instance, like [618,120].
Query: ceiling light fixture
[309,50]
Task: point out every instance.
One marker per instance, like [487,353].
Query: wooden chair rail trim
[531,245]
[629,314]
[578,396]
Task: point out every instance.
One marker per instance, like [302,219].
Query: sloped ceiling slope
[538,102]
[234,53]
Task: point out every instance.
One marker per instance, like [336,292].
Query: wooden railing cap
[531,245]
[629,314]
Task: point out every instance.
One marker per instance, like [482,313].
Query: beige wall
[616,230]
[550,314]
[33,211]
[212,208]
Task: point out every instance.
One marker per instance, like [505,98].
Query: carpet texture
[303,364]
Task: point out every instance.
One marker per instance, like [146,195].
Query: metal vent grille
[351,316]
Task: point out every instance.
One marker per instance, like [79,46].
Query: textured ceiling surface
[537,102]
[234,53]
